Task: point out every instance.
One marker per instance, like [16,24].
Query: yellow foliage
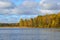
[46,21]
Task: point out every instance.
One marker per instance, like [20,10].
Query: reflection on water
[29,34]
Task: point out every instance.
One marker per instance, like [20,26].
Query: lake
[29,34]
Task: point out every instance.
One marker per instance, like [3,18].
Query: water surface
[29,34]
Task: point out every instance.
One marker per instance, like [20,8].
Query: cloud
[14,18]
[27,8]
[4,11]
[44,12]
[6,6]
[50,4]
[9,18]
[27,16]
[8,10]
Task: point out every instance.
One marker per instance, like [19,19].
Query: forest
[44,21]
[41,21]
[9,24]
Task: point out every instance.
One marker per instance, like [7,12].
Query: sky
[11,11]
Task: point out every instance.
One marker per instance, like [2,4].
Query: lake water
[29,34]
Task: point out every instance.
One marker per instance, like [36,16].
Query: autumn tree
[21,23]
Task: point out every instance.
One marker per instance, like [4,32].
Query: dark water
[29,34]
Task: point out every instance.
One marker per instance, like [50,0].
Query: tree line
[9,24]
[45,21]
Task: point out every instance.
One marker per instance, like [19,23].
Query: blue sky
[18,2]
[11,11]
[13,18]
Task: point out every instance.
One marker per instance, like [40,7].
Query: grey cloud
[50,4]
[6,6]
[44,12]
[27,8]
[4,11]
[9,18]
